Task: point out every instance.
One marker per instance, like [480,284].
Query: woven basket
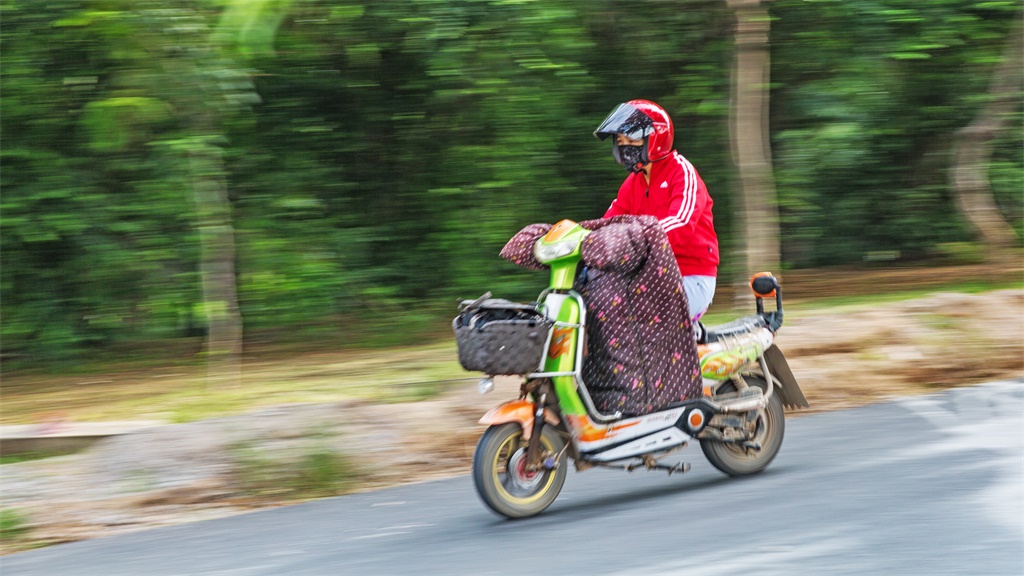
[501,340]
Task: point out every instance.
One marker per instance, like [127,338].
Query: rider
[662,183]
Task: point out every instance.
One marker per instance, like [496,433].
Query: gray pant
[700,290]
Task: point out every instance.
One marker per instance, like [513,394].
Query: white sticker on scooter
[662,440]
[629,429]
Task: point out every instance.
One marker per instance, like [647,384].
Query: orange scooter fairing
[591,432]
[520,411]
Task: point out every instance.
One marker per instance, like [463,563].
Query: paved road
[924,485]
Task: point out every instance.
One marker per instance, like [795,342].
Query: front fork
[534,452]
[531,416]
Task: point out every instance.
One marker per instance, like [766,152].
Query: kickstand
[678,467]
[650,463]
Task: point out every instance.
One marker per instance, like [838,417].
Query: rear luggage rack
[734,328]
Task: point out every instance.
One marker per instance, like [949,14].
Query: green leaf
[908,55]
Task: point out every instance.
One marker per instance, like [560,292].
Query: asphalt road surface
[924,485]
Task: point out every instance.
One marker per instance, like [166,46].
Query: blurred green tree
[863,123]
[396,146]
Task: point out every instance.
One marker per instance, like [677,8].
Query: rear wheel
[734,459]
[501,477]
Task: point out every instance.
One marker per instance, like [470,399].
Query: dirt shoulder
[213,467]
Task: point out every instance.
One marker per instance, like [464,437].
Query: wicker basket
[498,337]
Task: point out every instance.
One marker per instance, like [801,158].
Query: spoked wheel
[735,460]
[501,475]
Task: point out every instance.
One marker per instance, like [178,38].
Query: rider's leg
[700,290]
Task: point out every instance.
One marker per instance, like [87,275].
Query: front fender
[519,411]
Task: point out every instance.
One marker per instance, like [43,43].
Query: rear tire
[771,426]
[501,479]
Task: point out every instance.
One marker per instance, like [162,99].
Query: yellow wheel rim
[506,462]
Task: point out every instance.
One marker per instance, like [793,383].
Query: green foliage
[115,124]
[379,154]
[863,130]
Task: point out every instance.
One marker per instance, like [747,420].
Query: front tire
[735,460]
[500,476]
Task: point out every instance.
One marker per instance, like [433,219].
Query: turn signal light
[696,420]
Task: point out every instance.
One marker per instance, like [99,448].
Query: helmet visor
[625,119]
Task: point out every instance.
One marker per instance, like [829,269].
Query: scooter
[521,460]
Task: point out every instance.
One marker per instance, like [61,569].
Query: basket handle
[467,305]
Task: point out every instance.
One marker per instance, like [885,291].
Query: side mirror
[764,285]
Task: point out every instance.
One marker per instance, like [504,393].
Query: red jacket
[678,198]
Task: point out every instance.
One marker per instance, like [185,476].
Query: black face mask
[631,157]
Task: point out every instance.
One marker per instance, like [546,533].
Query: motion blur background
[174,171]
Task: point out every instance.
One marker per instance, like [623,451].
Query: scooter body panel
[628,437]
[560,356]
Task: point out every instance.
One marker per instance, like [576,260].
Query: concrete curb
[60,437]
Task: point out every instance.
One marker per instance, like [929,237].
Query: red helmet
[640,119]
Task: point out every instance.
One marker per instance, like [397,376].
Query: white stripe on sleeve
[689,201]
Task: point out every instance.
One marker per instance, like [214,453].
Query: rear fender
[520,412]
[788,390]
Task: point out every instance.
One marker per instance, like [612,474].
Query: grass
[28,457]
[13,524]
[826,305]
[317,470]
[176,392]
[942,321]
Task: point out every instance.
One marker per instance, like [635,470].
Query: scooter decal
[665,438]
[593,437]
[560,342]
[590,433]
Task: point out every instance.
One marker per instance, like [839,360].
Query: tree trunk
[198,81]
[751,148]
[973,149]
[217,264]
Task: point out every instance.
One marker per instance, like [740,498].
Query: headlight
[548,252]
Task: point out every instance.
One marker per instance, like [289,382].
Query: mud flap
[789,391]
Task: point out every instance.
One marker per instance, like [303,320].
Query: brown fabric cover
[641,350]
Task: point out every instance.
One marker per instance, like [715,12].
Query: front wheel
[735,460]
[501,477]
